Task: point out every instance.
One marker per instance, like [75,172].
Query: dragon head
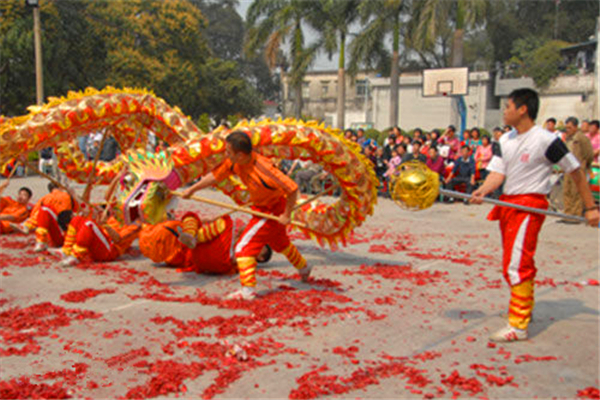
[144,193]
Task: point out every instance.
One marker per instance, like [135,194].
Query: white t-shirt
[526,160]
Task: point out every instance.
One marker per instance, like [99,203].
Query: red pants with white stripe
[258,233]
[520,232]
[93,242]
[48,231]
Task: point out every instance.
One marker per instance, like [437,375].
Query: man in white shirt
[523,162]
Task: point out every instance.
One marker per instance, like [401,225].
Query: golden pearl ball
[415,187]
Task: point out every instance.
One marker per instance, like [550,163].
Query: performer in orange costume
[13,211]
[189,244]
[88,240]
[270,192]
[50,217]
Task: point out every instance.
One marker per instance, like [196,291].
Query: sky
[322,63]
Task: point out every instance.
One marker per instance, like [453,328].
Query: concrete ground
[404,311]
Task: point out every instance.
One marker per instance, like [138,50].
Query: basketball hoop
[445,82]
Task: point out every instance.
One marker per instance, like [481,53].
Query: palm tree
[332,19]
[430,17]
[272,23]
[381,18]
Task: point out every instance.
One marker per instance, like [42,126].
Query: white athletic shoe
[68,262]
[40,246]
[509,334]
[305,273]
[245,293]
[24,229]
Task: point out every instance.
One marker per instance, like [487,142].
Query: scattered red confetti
[349,352]
[429,256]
[126,358]
[22,325]
[80,296]
[275,309]
[401,272]
[313,384]
[380,248]
[455,380]
[22,388]
[589,393]
[529,358]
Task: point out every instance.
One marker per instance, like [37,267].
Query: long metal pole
[459,195]
[39,79]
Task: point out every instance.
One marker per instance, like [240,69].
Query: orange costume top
[57,200]
[12,207]
[127,234]
[266,184]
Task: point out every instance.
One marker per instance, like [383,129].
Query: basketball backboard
[445,82]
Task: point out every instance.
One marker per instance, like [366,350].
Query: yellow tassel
[70,237]
[247,268]
[42,235]
[294,257]
[521,304]
[79,252]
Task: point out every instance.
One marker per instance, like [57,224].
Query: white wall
[429,112]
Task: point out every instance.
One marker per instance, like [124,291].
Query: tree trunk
[394,89]
[298,101]
[395,76]
[457,48]
[341,89]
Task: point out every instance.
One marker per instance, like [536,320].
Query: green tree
[537,59]
[510,20]
[73,55]
[225,34]
[271,25]
[139,43]
[380,18]
[432,18]
[332,19]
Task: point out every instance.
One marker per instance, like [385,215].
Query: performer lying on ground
[523,161]
[90,240]
[270,192]
[49,218]
[191,245]
[13,211]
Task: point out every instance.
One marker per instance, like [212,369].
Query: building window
[324,88]
[361,87]
[305,90]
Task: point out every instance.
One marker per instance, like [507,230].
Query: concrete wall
[565,96]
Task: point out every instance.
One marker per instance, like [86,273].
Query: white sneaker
[245,293]
[305,273]
[68,262]
[509,334]
[24,229]
[40,246]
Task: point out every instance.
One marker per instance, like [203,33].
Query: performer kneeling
[88,240]
[49,218]
[189,244]
[13,211]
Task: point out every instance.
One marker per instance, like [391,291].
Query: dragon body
[131,114]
